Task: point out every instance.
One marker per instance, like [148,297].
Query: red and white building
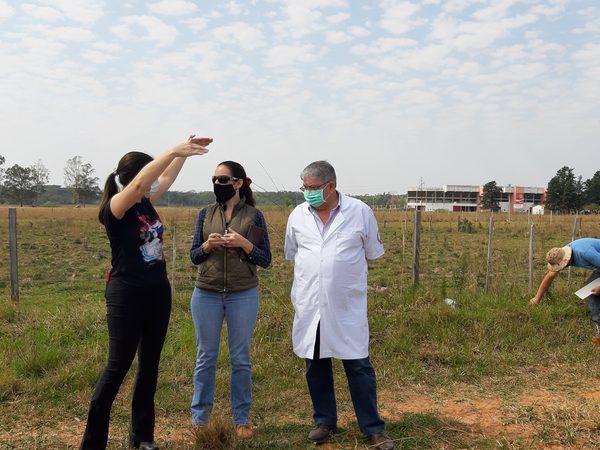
[458,197]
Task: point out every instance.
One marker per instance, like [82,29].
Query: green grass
[53,343]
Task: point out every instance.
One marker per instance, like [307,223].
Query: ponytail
[110,189]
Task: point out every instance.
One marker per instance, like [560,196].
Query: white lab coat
[330,279]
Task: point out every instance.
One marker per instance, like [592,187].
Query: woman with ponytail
[138,294]
[230,240]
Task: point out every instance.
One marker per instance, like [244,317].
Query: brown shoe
[381,441]
[320,434]
[244,431]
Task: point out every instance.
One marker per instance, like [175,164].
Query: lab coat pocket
[350,263]
[349,246]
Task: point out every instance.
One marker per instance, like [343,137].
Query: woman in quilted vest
[230,240]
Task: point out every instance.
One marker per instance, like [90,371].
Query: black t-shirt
[136,243]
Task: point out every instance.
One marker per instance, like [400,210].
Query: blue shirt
[586,253]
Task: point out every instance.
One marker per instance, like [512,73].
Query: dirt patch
[541,418]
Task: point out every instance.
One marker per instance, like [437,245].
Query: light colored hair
[321,170]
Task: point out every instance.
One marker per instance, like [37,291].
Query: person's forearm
[169,175]
[545,285]
[151,171]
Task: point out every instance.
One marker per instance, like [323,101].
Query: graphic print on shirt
[151,233]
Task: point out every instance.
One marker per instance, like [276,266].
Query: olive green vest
[227,269]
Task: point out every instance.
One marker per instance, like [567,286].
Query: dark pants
[362,385]
[593,303]
[137,321]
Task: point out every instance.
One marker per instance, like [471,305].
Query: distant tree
[565,192]
[80,180]
[1,169]
[592,190]
[492,193]
[40,177]
[18,184]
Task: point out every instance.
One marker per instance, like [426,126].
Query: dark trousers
[593,303]
[362,385]
[137,322]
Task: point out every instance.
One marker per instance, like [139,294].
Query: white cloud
[66,34]
[196,24]
[549,8]
[240,33]
[359,32]
[6,10]
[145,28]
[285,55]
[398,16]
[589,55]
[173,7]
[102,52]
[235,8]
[303,17]
[342,77]
[97,56]
[338,18]
[591,21]
[477,35]
[456,6]
[383,45]
[336,37]
[84,11]
[431,57]
[496,11]
[41,12]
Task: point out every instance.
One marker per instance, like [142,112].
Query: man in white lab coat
[330,238]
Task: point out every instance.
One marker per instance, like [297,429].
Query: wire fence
[66,250]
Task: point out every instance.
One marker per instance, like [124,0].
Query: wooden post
[14,262]
[488,271]
[416,246]
[573,235]
[174,266]
[530,255]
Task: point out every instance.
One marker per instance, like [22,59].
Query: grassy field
[494,372]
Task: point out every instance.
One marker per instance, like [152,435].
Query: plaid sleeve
[197,254]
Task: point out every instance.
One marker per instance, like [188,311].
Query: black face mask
[223,192]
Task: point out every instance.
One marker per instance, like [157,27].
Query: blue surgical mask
[314,198]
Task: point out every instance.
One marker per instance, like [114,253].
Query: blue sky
[389,91]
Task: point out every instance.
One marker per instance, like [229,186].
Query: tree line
[29,186]
[565,193]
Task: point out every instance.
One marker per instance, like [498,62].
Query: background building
[460,197]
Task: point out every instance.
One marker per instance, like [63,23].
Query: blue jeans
[239,309]
[593,303]
[363,391]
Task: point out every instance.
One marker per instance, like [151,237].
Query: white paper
[586,291]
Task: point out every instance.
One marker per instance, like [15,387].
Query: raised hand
[202,141]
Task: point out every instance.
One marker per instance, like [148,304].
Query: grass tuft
[218,434]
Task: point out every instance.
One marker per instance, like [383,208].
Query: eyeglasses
[224,179]
[312,188]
